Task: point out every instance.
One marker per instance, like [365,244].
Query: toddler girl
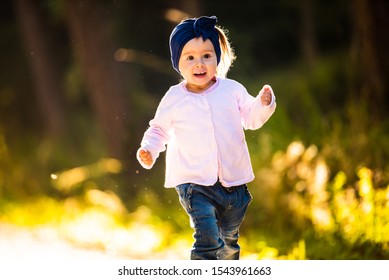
[201,122]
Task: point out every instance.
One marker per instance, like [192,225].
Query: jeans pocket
[185,194]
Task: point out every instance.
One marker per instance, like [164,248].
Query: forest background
[80,80]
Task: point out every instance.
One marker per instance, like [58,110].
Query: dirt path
[45,242]
[17,242]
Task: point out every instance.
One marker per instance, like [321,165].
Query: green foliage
[321,173]
[299,192]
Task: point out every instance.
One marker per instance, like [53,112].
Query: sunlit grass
[92,226]
[98,221]
[345,212]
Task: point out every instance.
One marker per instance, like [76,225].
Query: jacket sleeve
[157,135]
[253,113]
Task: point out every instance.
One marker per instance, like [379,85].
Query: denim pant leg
[231,220]
[203,219]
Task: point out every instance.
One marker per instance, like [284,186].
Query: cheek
[185,64]
[211,64]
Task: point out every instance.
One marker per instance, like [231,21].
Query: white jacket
[204,133]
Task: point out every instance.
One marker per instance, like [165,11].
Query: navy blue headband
[193,28]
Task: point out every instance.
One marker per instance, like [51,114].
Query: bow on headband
[193,28]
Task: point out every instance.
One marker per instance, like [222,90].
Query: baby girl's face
[198,64]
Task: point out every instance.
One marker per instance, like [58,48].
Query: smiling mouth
[202,74]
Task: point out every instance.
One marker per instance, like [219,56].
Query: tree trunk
[369,80]
[41,55]
[91,33]
[308,42]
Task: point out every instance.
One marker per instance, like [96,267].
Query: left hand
[266,96]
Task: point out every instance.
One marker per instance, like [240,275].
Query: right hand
[145,157]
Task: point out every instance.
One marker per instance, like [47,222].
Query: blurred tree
[369,43]
[307,34]
[44,65]
[107,83]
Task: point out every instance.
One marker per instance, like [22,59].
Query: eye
[207,55]
[190,57]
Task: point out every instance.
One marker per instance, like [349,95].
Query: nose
[199,62]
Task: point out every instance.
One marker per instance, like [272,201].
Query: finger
[266,88]
[146,160]
[144,152]
[145,156]
[266,95]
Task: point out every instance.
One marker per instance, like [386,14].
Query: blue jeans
[216,214]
